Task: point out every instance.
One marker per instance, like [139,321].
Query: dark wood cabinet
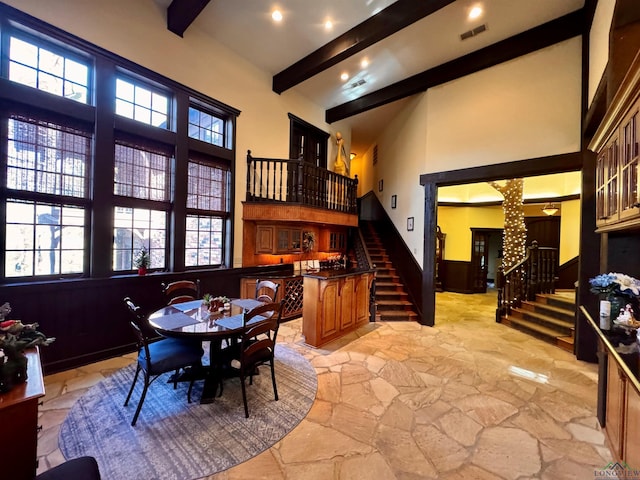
[273,239]
[618,156]
[19,423]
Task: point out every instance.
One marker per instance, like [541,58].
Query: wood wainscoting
[457,276]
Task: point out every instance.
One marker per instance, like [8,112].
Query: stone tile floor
[466,399]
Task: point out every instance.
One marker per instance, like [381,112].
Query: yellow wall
[456,223]
[569,231]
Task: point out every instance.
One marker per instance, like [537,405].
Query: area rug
[177,440]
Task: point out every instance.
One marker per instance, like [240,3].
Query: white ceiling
[246,27]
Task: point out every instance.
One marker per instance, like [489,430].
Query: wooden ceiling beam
[392,19]
[534,39]
[182,13]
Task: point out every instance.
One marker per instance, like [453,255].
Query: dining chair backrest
[181,291]
[138,324]
[268,326]
[266,290]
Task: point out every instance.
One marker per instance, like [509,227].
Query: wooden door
[479,260]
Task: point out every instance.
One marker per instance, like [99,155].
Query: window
[142,171]
[45,70]
[45,160]
[207,192]
[82,188]
[43,239]
[203,244]
[206,127]
[142,103]
[135,228]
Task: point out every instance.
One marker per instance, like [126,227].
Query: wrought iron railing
[297,181]
[535,274]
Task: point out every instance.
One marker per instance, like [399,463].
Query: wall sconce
[550,209]
[352,155]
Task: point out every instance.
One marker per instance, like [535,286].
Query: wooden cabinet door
[347,302]
[629,199]
[607,184]
[362,300]
[615,401]
[631,451]
[330,310]
[265,241]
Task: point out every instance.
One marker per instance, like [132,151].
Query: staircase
[551,317]
[391,298]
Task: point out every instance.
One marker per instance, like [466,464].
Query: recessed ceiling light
[328,25]
[475,12]
[364,63]
[344,77]
[276,15]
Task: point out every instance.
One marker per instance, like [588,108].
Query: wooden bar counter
[336,302]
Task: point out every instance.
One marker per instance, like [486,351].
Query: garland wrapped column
[515,231]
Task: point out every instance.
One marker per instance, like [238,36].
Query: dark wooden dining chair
[181,291]
[158,357]
[257,346]
[266,291]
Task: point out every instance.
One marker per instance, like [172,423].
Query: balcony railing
[297,181]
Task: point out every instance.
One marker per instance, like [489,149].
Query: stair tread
[558,298]
[546,318]
[535,326]
[553,308]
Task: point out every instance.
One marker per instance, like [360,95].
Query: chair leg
[133,384]
[175,378]
[244,395]
[273,379]
[144,394]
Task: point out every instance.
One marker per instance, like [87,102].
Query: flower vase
[13,372]
[142,271]
[617,304]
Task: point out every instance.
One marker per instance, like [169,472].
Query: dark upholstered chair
[257,346]
[81,468]
[162,356]
[181,291]
[266,291]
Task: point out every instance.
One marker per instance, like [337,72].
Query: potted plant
[15,338]
[142,260]
[308,241]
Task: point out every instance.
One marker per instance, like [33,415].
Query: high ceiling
[410,45]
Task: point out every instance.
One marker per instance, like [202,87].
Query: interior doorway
[486,254]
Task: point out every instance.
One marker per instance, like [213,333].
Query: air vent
[474,32]
[375,154]
[358,83]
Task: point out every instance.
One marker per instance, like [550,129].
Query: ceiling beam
[182,13]
[392,19]
[534,39]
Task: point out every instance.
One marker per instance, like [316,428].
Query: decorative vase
[142,270]
[13,372]
[605,314]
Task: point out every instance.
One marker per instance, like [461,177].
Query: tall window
[142,171]
[41,68]
[206,127]
[208,210]
[46,180]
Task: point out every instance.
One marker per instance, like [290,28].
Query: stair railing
[536,273]
[364,262]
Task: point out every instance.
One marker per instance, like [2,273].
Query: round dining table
[192,320]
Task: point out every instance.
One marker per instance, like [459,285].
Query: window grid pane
[203,244]
[136,228]
[207,189]
[206,127]
[44,239]
[141,104]
[47,158]
[141,173]
[39,68]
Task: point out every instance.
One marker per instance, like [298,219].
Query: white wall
[599,44]
[525,108]
[136,30]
